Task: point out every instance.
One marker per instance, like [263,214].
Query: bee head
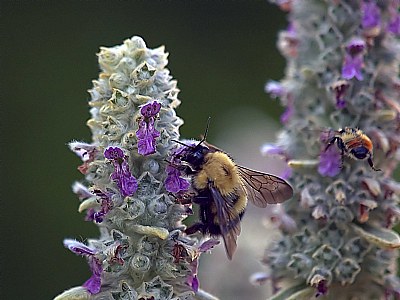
[360,152]
[195,156]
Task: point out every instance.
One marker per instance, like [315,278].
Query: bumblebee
[222,189]
[353,143]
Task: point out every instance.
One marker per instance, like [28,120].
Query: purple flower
[86,152]
[340,87]
[274,88]
[113,153]
[106,205]
[78,247]
[371,15]
[330,162]
[147,134]
[208,245]
[355,47]
[322,288]
[272,149]
[394,25]
[174,183]
[353,60]
[81,191]
[126,183]
[150,109]
[352,67]
[205,246]
[287,114]
[93,284]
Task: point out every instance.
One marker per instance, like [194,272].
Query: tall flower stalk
[342,71]
[142,252]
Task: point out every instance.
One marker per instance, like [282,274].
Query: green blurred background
[221,53]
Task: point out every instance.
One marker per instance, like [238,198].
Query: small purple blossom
[86,152]
[353,60]
[81,191]
[322,288]
[340,88]
[174,183]
[394,25]
[93,284]
[355,47]
[208,245]
[371,15]
[151,109]
[205,246]
[275,89]
[147,134]
[79,248]
[106,205]
[330,162]
[272,149]
[352,67]
[113,153]
[126,182]
[287,114]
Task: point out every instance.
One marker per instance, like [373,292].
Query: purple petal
[330,162]
[81,191]
[129,185]
[322,288]
[274,88]
[146,135]
[352,67]
[193,282]
[287,114]
[208,245]
[272,149]
[286,173]
[113,153]
[371,15]
[355,46]
[174,183]
[146,146]
[93,284]
[150,109]
[84,150]
[394,25]
[78,247]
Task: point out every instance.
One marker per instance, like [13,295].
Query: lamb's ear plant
[342,71]
[128,183]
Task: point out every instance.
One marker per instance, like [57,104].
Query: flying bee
[222,189]
[353,143]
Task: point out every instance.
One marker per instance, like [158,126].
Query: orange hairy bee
[353,143]
[223,188]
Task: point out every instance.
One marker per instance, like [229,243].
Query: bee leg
[196,227]
[331,142]
[371,164]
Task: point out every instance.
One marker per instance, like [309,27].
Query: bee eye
[360,152]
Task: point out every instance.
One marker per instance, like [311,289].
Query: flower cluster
[129,184]
[342,71]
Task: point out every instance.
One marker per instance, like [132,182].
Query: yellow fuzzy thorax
[219,169]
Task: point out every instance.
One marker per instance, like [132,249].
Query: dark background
[221,53]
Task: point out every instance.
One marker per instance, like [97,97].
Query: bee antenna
[205,132]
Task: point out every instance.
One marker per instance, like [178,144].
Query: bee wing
[229,222]
[264,189]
